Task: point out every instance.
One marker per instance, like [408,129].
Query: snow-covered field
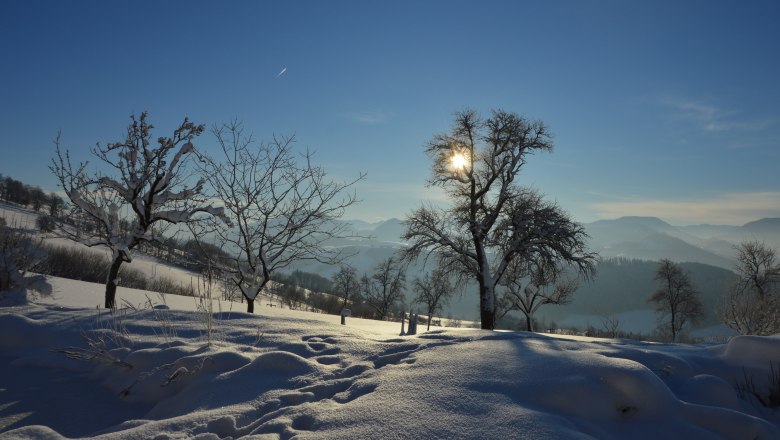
[282,373]
[163,367]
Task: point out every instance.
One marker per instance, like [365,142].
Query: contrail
[281,73]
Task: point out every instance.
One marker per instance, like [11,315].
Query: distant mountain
[710,231]
[658,246]
[653,223]
[766,230]
[389,231]
[608,232]
[765,225]
[649,238]
[363,257]
[371,234]
[719,247]
[360,225]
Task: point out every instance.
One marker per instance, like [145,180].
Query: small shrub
[133,279]
[108,333]
[167,285]
[205,306]
[165,329]
[770,397]
[324,302]
[230,292]
[292,295]
[45,223]
[453,322]
[75,264]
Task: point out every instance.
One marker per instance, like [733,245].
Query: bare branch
[677,300]
[752,305]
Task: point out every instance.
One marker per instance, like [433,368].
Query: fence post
[344,314]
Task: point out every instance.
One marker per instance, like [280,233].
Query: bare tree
[150,184]
[676,299]
[752,305]
[487,225]
[345,284]
[55,205]
[611,325]
[530,285]
[281,207]
[384,287]
[292,295]
[758,269]
[37,198]
[434,290]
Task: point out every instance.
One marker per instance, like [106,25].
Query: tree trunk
[529,323]
[487,307]
[113,274]
[250,302]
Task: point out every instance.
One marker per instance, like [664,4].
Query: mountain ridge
[642,237]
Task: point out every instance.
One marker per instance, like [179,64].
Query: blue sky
[663,108]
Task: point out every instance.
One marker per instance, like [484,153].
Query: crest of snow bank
[19,332]
[534,387]
[754,350]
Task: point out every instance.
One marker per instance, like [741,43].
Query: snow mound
[13,326]
[279,363]
[754,349]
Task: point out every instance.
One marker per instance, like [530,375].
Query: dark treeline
[19,193]
[189,253]
[307,280]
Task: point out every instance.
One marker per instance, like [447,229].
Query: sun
[458,162]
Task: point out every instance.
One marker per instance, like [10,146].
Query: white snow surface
[283,373]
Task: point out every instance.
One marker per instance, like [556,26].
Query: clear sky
[659,108]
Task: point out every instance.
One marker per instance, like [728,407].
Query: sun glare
[458,162]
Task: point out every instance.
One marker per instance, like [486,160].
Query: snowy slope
[152,267]
[282,373]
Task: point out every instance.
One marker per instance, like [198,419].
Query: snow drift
[72,371]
